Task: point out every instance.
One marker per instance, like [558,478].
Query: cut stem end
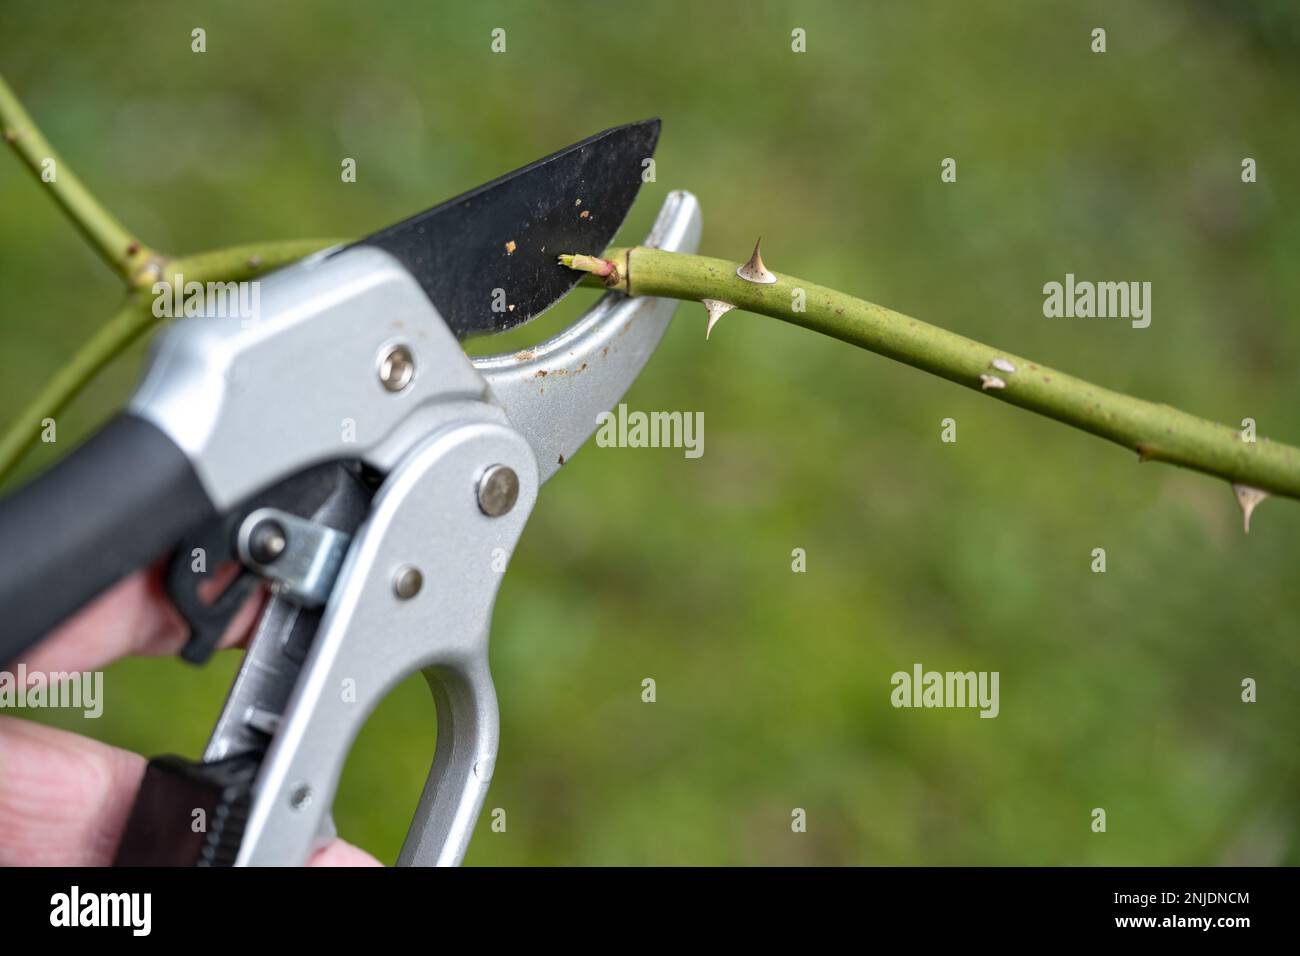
[606,269]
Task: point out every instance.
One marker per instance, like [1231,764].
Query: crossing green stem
[132,320]
[135,263]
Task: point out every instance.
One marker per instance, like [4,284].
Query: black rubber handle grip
[112,506]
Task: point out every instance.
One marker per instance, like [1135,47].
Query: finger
[340,853]
[65,800]
[135,616]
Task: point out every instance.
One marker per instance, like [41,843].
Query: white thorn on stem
[1249,498]
[1003,365]
[754,270]
[991,381]
[717,309]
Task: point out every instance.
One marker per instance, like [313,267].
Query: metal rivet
[300,799]
[407,582]
[396,368]
[498,490]
[267,541]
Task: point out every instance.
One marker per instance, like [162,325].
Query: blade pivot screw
[498,490]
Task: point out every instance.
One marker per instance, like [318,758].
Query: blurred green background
[1118,690]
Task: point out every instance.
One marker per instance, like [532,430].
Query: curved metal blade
[487,259]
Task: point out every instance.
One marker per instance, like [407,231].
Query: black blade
[507,234]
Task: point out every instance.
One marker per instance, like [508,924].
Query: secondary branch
[134,262]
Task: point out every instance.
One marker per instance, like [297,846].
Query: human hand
[64,798]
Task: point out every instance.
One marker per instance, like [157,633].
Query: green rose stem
[139,267]
[1156,432]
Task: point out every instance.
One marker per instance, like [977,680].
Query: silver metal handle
[379,628]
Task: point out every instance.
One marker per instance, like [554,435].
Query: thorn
[717,309]
[1248,498]
[754,270]
[1002,365]
[991,381]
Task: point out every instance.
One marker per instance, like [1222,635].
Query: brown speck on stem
[716,309]
[254,262]
[754,270]
[133,248]
[1249,498]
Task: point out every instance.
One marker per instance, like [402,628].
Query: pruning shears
[341,447]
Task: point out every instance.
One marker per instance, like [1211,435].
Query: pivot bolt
[267,541]
[498,490]
[396,368]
